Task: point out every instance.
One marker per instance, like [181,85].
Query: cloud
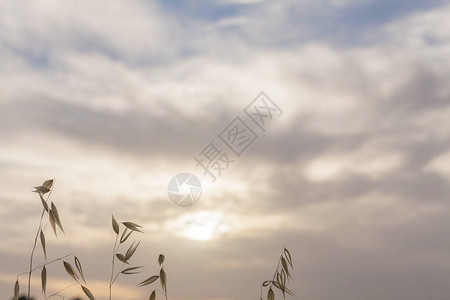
[113,99]
[85,27]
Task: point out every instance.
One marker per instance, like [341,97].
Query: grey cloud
[136,131]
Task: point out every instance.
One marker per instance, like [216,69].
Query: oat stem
[165,286]
[55,294]
[274,275]
[117,275]
[112,267]
[45,264]
[34,247]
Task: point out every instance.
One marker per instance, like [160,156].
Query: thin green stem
[55,294]
[274,275]
[165,285]
[112,267]
[52,261]
[32,254]
[278,267]
[118,273]
[45,264]
[34,247]
[161,292]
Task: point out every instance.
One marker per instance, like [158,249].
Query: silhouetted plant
[52,213]
[122,231]
[280,277]
[162,279]
[76,273]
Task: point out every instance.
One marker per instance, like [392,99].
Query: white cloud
[132,31]
[441,165]
[424,30]
[370,162]
[82,82]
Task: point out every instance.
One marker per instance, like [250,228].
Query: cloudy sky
[113,98]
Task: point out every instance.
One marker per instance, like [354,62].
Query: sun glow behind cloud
[202,226]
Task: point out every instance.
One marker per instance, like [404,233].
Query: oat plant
[50,215]
[162,279]
[280,277]
[120,258]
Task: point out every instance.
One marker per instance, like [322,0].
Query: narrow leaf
[279,279]
[79,268]
[285,267]
[131,250]
[132,226]
[125,235]
[152,296]
[44,203]
[42,190]
[277,285]
[163,279]
[70,270]
[288,257]
[48,183]
[281,282]
[270,295]
[149,280]
[121,257]
[44,280]
[52,221]
[56,214]
[115,225]
[289,292]
[266,283]
[16,290]
[283,278]
[42,237]
[129,271]
[161,259]
[88,293]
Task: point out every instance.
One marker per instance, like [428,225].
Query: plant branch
[112,267]
[118,273]
[45,264]
[34,247]
[55,294]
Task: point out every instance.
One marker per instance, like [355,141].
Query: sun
[200,226]
[201,232]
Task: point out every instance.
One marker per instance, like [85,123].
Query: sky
[112,99]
